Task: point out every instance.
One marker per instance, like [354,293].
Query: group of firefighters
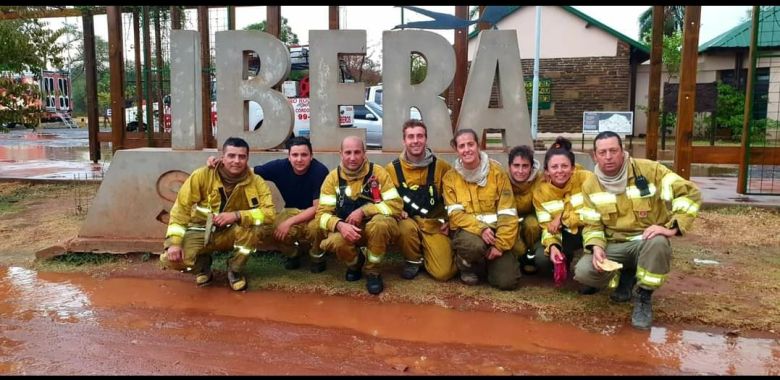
[473,218]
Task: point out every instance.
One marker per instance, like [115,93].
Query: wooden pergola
[121,139]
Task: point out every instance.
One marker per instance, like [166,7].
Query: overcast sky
[375,19]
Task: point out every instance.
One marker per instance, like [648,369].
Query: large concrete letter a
[497,51]
[400,94]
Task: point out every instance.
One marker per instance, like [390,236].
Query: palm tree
[674,18]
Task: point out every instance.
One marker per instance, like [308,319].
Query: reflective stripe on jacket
[551,201]
[202,193]
[474,208]
[672,201]
[391,203]
[418,176]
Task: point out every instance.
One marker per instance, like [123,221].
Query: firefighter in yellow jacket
[628,220]
[358,208]
[525,174]
[218,209]
[482,215]
[558,201]
[417,175]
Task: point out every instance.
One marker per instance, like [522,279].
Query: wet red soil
[134,323]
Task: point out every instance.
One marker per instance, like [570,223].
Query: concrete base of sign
[130,211]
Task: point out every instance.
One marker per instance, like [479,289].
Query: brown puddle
[71,323]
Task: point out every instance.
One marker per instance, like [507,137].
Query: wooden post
[686,99]
[461,63]
[159,70]
[148,77]
[205,81]
[481,25]
[90,68]
[654,91]
[117,72]
[273,20]
[744,160]
[231,17]
[333,17]
[139,90]
[175,17]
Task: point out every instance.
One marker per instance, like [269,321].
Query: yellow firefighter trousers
[651,259]
[528,235]
[238,239]
[376,235]
[308,236]
[421,242]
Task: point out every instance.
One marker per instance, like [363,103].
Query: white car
[368,117]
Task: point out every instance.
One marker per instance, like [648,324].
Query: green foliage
[419,68]
[86,258]
[730,113]
[8,201]
[672,54]
[286,34]
[674,18]
[28,45]
[730,109]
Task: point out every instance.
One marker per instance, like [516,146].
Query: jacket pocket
[487,202]
[641,208]
[606,210]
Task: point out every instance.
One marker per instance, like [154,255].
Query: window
[360,112]
[62,102]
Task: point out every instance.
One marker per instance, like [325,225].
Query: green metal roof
[634,43]
[738,37]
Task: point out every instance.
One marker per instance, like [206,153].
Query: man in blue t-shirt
[299,178]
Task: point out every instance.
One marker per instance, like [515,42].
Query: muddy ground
[123,315]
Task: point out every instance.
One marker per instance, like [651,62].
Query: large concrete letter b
[235,91]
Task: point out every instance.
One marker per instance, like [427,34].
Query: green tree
[674,18]
[286,34]
[729,110]
[29,45]
[25,45]
[419,68]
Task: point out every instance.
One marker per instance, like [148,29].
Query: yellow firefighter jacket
[523,192]
[623,217]
[474,208]
[416,177]
[551,201]
[202,193]
[390,202]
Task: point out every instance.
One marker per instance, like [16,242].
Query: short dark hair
[561,146]
[463,131]
[299,140]
[236,142]
[523,151]
[606,135]
[413,123]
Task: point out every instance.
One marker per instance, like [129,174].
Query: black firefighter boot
[374,283]
[356,272]
[625,287]
[642,317]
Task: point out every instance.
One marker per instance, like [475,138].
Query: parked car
[369,117]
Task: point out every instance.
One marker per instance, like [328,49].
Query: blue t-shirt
[298,191]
